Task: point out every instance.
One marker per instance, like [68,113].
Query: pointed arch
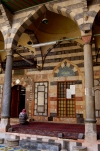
[69,64]
[26,82]
[64,11]
[19,28]
[96,31]
[23,83]
[77,16]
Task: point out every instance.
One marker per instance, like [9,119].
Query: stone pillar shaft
[5,113]
[90,121]
[89,80]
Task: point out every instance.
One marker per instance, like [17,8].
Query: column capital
[9,52]
[87,39]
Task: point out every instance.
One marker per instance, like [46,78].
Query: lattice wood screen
[65,103]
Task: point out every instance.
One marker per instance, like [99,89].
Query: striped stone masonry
[19,24]
[77,12]
[38,50]
[6,15]
[19,27]
[69,51]
[68,54]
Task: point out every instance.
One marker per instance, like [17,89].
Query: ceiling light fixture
[45,20]
[17,81]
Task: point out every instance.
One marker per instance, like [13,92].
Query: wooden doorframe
[15,101]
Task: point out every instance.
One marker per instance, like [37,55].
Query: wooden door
[15,101]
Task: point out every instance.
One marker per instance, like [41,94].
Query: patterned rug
[70,131]
[6,148]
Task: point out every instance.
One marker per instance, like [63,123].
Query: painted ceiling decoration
[16,5]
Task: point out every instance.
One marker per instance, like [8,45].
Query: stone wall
[69,55]
[28,82]
[52,95]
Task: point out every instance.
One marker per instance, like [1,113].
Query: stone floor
[4,147]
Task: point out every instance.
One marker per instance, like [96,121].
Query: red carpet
[70,131]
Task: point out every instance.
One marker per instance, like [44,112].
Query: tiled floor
[4,147]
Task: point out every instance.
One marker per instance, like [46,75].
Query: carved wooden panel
[66,99]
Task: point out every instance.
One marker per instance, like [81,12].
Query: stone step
[1,140]
[12,142]
[36,145]
[14,121]
[79,148]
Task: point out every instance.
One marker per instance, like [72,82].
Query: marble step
[36,145]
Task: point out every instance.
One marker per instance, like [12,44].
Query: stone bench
[12,142]
[1,140]
[79,148]
[36,145]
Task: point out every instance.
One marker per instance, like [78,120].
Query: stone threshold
[44,138]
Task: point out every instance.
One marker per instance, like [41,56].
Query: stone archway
[84,17]
[21,26]
[27,83]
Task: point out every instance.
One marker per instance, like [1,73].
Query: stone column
[5,113]
[89,80]
[90,121]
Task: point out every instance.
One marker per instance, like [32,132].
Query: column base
[91,147]
[90,132]
[91,137]
[90,121]
[5,124]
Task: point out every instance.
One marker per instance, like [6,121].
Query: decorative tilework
[67,70]
[78,81]
[53,83]
[4,147]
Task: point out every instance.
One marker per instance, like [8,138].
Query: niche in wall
[41,98]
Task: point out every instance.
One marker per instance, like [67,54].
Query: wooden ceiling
[16,5]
